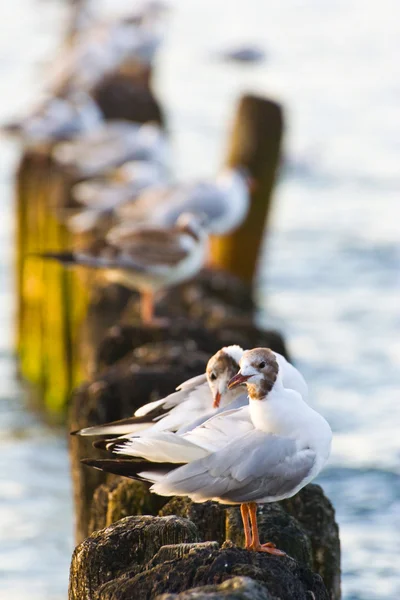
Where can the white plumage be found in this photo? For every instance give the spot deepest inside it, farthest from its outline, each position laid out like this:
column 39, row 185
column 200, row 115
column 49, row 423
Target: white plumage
column 224, row 202
column 110, row 145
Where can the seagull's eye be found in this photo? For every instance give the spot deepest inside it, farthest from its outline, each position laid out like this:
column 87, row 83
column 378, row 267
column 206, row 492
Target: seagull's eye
column 261, row 365
column 213, row 377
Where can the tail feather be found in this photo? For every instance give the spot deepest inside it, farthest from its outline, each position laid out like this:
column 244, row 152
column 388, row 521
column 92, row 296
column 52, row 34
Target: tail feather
column 69, row 257
column 160, row 447
column 130, row 468
column 66, row 258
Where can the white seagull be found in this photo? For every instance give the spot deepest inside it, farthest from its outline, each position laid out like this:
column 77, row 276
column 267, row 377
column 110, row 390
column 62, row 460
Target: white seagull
column 146, row 258
column 57, row 119
column 197, row 398
column 110, row 145
column 100, row 196
column 103, row 49
column 263, row 452
column 92, row 13
column 224, row 202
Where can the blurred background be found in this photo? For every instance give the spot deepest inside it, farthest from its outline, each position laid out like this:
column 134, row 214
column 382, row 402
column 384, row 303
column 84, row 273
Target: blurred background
column 330, row 273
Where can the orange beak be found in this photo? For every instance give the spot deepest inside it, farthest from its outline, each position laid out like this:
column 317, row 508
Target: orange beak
column 237, row 380
column 217, row 400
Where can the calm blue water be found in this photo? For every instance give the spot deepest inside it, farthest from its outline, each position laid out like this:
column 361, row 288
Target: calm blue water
column 330, row 277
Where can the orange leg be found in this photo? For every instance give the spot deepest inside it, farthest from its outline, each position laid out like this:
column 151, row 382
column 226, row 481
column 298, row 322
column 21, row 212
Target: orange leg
column 255, row 544
column 244, row 511
column 147, row 307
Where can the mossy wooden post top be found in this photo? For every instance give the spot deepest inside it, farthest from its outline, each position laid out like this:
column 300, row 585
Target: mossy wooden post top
column 255, row 143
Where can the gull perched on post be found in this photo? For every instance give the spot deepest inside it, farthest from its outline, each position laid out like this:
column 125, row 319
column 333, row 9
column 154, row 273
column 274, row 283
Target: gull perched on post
column 110, row 145
column 147, row 259
column 224, row 202
column 57, row 119
column 101, row 195
column 262, row 452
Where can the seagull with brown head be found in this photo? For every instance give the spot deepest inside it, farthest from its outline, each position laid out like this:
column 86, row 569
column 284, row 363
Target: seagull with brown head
column 193, row 402
column 146, row 258
column 260, row 375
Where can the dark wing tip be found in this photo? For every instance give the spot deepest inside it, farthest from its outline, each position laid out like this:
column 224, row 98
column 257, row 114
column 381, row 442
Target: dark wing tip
column 124, row 467
column 128, row 467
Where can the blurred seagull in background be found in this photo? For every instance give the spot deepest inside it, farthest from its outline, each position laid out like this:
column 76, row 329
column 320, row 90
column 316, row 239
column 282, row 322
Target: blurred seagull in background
column 110, row 145
column 99, row 48
column 262, row 452
column 100, row 196
column 146, row 258
column 89, row 13
column 224, row 203
column 102, row 47
column 57, row 119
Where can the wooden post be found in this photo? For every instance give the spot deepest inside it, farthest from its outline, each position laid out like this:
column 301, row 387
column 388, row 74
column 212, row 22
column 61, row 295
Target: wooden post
column 255, row 143
column 51, row 301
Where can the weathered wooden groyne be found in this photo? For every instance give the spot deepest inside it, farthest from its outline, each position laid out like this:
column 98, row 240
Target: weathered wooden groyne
column 85, row 353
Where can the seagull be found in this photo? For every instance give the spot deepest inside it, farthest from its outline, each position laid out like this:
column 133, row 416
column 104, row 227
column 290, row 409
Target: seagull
column 104, row 48
column 93, row 12
column 265, row 451
column 224, row 202
column 100, row 196
column 197, row 398
column 146, row 258
column 57, row 119
column 110, row 145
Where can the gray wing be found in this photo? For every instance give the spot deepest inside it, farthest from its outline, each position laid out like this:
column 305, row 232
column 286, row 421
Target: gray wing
column 238, row 403
column 258, row 466
column 147, row 248
column 192, row 383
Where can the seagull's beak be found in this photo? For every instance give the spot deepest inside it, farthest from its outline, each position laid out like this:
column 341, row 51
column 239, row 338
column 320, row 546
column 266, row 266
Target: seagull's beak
column 217, row 400
column 238, row 380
